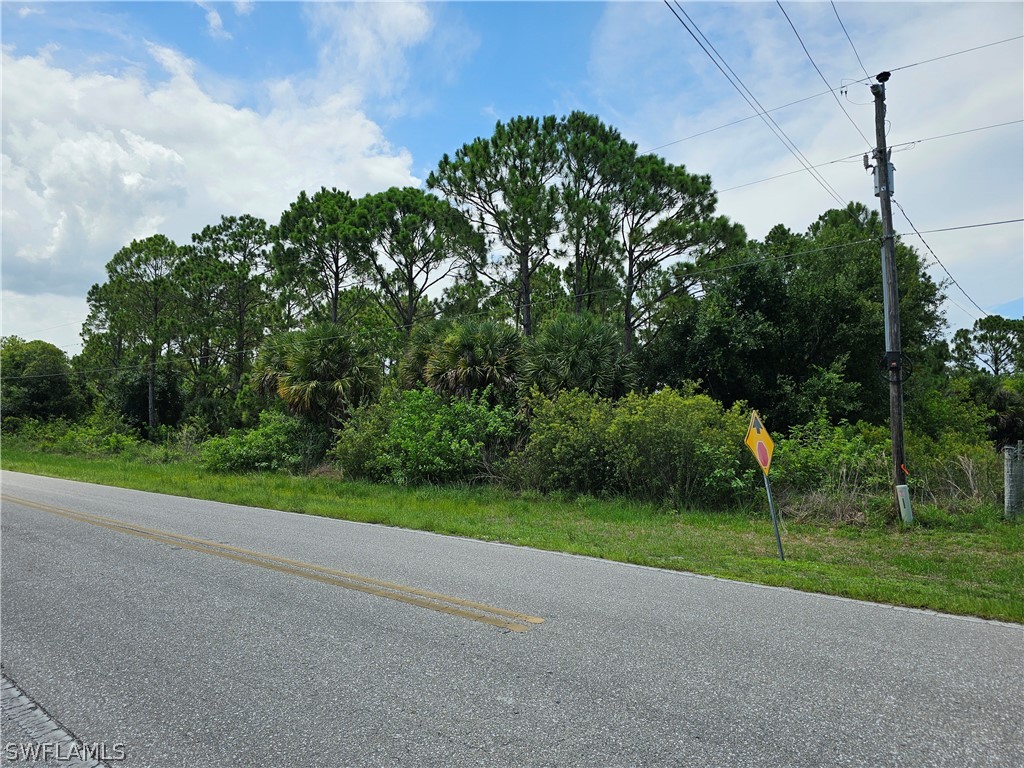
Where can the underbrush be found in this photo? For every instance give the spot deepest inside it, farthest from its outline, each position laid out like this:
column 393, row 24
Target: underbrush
column 677, row 450
column 105, row 434
column 279, row 442
column 672, row 447
column 843, row 473
column 416, row 436
column 100, row 434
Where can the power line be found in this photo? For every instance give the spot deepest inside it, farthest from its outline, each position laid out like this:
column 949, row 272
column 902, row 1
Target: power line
column 935, row 256
column 697, row 273
column 787, row 173
column 958, row 133
column 818, row 70
column 970, row 313
column 946, row 56
column 748, row 184
column 857, row 155
column 752, row 100
column 54, row 327
column 824, row 93
column 734, row 122
column 956, row 53
column 967, row 226
column 768, row 120
column 863, row 68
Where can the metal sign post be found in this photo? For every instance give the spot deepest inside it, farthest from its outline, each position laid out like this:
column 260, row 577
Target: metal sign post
column 775, row 519
column 762, row 446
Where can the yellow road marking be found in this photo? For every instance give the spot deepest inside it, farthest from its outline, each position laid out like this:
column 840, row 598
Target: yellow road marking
column 468, row 609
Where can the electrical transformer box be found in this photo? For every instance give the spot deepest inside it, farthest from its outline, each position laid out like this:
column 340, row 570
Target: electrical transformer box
column 892, row 179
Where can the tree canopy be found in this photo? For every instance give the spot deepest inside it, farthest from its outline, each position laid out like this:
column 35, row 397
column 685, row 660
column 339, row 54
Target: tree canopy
column 548, row 254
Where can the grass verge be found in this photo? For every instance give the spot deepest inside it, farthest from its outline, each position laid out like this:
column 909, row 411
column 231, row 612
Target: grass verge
column 941, row 564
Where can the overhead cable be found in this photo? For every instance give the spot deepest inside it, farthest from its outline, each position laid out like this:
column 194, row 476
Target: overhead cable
column 863, row 68
column 825, row 93
column 857, row 155
column 737, row 83
column 818, row 70
column 937, row 261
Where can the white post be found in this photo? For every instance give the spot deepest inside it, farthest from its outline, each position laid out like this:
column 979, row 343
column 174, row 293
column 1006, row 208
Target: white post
column 1013, row 480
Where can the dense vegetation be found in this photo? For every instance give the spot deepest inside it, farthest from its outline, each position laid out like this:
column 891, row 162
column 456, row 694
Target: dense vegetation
column 557, row 313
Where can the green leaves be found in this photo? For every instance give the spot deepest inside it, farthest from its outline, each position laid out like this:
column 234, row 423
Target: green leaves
column 669, row 446
column 141, row 302
column 321, row 373
column 794, row 325
column 280, row 442
column 225, row 282
column 36, row 382
column 317, row 247
column 505, row 185
column 577, row 352
column 417, row 436
column 995, row 344
column 472, row 355
column 412, row 242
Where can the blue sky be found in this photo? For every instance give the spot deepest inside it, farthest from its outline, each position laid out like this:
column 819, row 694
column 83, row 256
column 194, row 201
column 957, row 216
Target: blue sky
column 124, row 119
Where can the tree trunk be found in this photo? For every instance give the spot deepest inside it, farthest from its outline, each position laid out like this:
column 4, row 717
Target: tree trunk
column 152, row 389
column 239, row 364
column 154, row 348
column 578, row 279
column 410, row 304
column 524, row 291
column 627, row 337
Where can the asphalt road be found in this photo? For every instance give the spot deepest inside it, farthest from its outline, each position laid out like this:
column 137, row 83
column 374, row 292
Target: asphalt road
column 268, row 638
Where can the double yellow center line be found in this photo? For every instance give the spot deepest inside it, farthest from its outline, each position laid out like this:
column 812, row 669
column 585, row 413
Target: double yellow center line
column 467, row 609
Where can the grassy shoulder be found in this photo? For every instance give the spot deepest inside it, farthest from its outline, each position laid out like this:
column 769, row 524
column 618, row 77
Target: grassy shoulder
column 972, row 565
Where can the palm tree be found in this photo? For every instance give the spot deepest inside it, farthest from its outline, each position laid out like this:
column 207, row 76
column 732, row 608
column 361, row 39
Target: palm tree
column 578, row 352
column 321, row 372
column 473, row 355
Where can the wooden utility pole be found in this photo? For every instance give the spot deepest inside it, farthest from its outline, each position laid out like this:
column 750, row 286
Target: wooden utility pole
column 891, row 301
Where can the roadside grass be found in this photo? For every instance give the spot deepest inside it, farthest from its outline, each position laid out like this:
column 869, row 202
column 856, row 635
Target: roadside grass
column 969, row 564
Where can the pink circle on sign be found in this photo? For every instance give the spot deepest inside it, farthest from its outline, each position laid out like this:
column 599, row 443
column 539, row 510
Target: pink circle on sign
column 762, row 454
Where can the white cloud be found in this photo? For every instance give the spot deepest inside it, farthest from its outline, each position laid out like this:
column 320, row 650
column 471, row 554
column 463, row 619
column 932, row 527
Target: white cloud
column 214, row 23
column 244, row 7
column 92, row 161
column 364, row 45
column 25, row 12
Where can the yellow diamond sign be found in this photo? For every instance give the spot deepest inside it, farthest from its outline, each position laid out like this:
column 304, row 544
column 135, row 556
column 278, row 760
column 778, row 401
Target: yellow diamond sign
column 760, row 442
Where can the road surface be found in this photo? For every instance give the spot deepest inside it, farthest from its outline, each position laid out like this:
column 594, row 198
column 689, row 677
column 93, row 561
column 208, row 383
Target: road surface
column 174, row 632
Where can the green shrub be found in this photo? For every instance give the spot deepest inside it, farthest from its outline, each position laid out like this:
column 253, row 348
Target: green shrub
column 671, row 446
column 578, row 352
column 832, row 459
column 101, row 433
column 280, row 442
column 364, row 438
column 567, row 449
column 679, row 447
column 416, row 436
